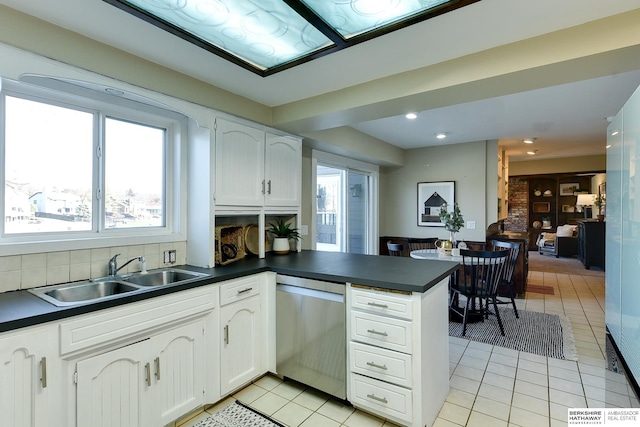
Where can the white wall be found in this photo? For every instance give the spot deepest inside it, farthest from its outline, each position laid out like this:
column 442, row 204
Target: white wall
column 466, row 164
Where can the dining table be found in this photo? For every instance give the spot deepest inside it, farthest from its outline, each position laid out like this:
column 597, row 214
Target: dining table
column 438, row 254
column 435, row 254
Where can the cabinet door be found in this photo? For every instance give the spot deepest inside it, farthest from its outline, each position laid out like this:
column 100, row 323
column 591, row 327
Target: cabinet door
column 29, row 378
column 178, row 371
column 240, row 349
column 239, row 175
column 113, row 388
column 283, row 171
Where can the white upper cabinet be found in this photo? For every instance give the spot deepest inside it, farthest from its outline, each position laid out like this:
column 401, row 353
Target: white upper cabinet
column 283, row 170
column 239, row 174
column 256, row 168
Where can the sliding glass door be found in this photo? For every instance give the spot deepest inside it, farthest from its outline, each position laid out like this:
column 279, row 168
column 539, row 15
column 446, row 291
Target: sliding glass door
column 342, row 210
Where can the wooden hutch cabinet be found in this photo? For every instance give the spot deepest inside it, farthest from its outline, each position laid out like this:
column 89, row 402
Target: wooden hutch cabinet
column 553, row 198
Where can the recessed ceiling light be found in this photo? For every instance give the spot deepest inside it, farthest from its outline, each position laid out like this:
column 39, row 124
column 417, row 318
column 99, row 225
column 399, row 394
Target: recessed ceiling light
column 411, row 116
column 529, row 140
column 608, row 146
column 531, row 153
column 441, row 135
column 615, row 132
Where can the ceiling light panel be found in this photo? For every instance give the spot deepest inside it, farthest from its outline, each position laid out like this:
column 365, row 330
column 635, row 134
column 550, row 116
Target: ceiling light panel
column 268, row 36
column 264, row 33
column 354, row 17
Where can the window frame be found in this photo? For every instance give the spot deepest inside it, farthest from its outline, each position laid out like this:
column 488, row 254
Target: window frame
column 104, row 106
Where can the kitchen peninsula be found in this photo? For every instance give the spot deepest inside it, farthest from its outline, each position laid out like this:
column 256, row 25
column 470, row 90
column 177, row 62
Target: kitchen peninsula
column 409, row 296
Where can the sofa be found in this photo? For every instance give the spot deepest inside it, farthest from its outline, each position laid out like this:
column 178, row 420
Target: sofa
column 564, row 242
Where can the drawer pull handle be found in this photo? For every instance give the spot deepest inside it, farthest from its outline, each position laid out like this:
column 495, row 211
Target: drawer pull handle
column 43, row 369
column 147, row 372
column 157, row 363
column 375, row 304
column 375, row 365
column 226, row 334
column 373, row 331
column 245, row 290
column 379, row 399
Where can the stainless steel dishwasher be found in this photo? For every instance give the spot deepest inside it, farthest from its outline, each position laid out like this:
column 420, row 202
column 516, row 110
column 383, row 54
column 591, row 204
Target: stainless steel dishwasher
column 311, row 333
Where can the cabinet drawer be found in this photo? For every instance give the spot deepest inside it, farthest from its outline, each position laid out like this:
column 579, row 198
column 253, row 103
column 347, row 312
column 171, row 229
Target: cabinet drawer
column 381, row 398
column 386, row 332
column 107, row 326
column 385, row 365
column 388, row 303
column 236, row 290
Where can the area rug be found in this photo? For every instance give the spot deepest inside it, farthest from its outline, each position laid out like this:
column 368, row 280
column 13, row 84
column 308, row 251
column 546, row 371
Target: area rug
column 539, row 333
column 562, row 265
column 539, row 289
column 237, row 415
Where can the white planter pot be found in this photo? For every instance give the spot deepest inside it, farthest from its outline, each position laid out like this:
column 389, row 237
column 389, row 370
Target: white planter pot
column 280, row 245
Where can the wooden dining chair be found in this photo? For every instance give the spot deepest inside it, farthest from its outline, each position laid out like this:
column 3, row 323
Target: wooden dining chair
column 483, row 271
column 422, row 243
column 395, row 249
column 506, row 285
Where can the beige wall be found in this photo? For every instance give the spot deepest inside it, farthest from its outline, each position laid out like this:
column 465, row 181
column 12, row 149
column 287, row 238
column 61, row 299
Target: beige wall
column 465, row 164
column 568, row 164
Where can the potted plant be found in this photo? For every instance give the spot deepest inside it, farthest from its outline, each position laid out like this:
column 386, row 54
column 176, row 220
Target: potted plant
column 546, row 221
column 282, row 232
column 599, row 202
column 453, row 221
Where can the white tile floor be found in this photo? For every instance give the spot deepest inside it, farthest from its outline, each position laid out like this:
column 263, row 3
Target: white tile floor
column 489, row 386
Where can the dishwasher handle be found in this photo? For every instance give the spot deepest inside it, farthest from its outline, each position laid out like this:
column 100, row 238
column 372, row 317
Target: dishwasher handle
column 318, row 285
column 296, row 290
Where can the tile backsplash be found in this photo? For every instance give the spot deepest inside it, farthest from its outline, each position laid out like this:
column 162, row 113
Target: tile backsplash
column 50, row 268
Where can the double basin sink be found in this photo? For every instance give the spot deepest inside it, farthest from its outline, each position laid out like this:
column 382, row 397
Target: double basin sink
column 106, row 288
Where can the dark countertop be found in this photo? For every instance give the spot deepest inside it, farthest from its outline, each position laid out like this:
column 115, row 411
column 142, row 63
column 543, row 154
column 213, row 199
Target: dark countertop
column 19, row 309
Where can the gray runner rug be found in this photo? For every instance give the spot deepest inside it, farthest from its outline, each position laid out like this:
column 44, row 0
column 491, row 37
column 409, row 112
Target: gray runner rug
column 237, row 415
column 539, row 333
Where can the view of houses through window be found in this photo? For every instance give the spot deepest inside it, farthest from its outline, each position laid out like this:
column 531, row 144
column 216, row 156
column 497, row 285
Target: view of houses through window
column 54, row 158
column 134, row 171
column 48, row 173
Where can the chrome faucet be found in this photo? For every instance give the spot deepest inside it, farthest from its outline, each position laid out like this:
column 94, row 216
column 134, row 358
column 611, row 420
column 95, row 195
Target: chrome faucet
column 113, row 264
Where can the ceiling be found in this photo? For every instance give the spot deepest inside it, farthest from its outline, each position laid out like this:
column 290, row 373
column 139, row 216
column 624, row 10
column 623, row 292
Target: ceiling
column 568, row 119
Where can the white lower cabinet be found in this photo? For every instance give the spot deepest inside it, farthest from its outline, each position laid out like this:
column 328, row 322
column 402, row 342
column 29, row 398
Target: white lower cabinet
column 243, row 332
column 179, row 370
column 112, row 390
column 30, row 377
column 398, row 353
column 149, row 383
column 388, row 400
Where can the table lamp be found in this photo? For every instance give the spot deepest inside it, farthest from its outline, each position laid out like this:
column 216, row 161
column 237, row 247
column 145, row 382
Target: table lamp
column 586, row 201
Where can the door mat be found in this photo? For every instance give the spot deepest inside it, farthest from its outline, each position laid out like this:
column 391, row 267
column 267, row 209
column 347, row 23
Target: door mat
column 538, row 289
column 237, row 415
column 548, row 335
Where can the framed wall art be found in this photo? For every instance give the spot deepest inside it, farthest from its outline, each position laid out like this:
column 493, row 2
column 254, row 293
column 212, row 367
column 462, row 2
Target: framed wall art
column 569, row 188
column 431, row 195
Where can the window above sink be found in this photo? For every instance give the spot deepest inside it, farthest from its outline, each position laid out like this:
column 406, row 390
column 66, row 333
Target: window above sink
column 84, row 165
